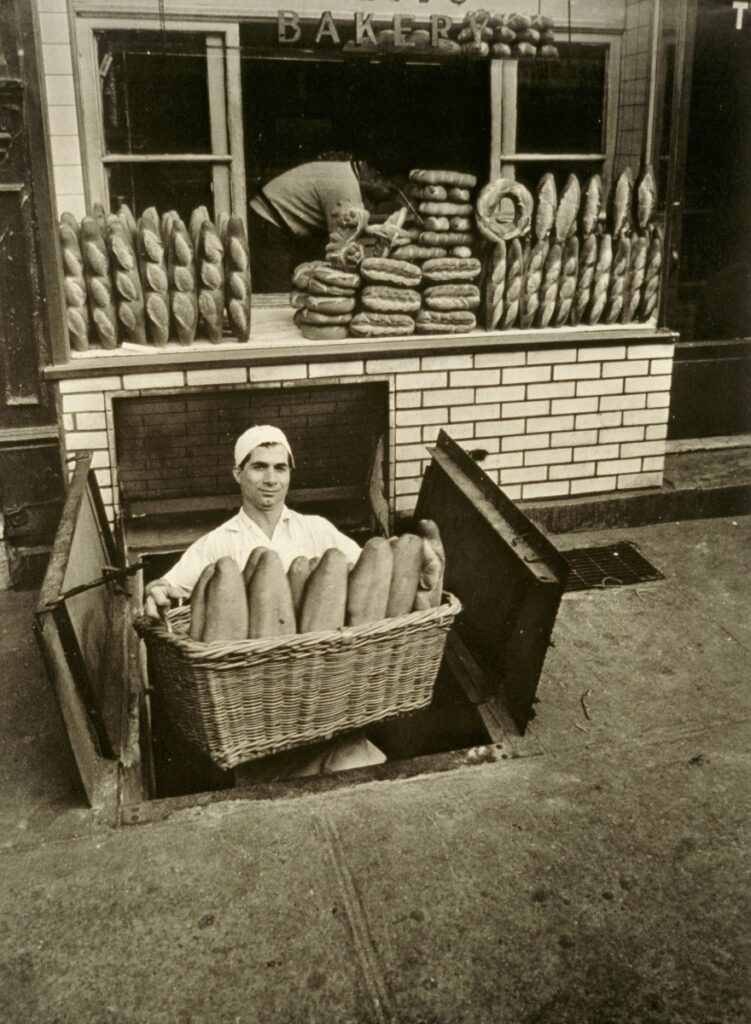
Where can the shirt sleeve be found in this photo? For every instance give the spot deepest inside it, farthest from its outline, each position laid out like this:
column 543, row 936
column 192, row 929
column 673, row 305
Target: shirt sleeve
column 342, row 187
column 183, row 576
column 334, row 538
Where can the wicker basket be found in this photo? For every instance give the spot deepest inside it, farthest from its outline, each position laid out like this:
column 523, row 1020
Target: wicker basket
column 249, row 698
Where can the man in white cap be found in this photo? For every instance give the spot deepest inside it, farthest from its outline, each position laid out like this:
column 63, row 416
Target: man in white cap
column 263, row 461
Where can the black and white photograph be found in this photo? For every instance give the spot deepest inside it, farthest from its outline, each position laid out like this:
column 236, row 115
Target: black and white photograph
column 375, row 512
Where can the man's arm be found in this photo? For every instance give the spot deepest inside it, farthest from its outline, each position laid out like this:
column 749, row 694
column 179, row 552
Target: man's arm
column 181, row 578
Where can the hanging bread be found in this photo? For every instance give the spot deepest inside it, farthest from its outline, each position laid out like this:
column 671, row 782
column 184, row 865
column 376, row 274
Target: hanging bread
column 546, row 203
column 549, row 285
column 618, row 280
column 587, row 259
column 182, row 282
column 636, row 273
column 152, row 263
column 98, row 285
column 210, row 275
column 74, row 286
column 567, row 285
column 492, row 221
column 568, row 209
column 515, row 258
column 237, row 271
column 651, row 287
column 128, row 292
column 601, row 279
column 530, row 293
column 495, row 285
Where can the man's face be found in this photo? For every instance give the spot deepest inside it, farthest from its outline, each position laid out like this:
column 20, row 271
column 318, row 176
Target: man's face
column 264, row 478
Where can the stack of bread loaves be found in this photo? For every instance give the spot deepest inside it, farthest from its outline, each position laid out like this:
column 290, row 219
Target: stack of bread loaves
column 389, row 300
column 324, row 300
column 450, row 297
column 444, row 202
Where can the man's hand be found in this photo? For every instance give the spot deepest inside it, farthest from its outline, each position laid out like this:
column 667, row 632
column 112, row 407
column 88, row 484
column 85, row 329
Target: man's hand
column 159, row 595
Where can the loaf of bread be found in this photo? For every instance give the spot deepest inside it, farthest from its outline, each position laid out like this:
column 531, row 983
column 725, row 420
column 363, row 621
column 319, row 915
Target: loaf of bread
column 369, row 583
column 452, row 296
column 618, row 280
column 270, row 608
column 601, row 279
column 491, row 214
column 462, row 252
column 591, row 205
column 431, row 209
column 431, row 193
column 621, row 199
column 567, row 284
column 514, row 280
column 303, row 272
column 583, row 292
column 374, row 325
column 419, row 252
column 445, row 238
column 381, row 270
column 385, row 299
column 461, row 224
column 646, row 198
column 74, row 285
column 152, row 263
column 226, row 616
column 98, row 282
column 128, row 293
column 332, row 304
column 455, row 179
column 436, row 224
column 568, row 209
column 432, row 568
column 297, row 577
column 546, row 203
column 325, row 600
column 237, row 277
column 198, row 603
column 458, row 195
column 451, row 268
column 454, row 322
column 333, row 277
column 636, row 273
column 322, row 332
column 549, row 286
column 651, row 287
column 312, row 316
column 530, row 294
column 211, row 282
column 182, row 281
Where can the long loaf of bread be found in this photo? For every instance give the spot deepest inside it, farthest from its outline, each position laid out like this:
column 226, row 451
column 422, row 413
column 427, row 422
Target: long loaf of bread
column 210, row 273
column 515, row 256
column 369, row 583
column 568, row 209
column 270, row 608
column 636, row 273
column 182, row 281
column 582, row 295
column 601, row 280
column 325, row 602
column 618, row 280
column 127, row 281
column 651, row 287
column 98, row 284
column 153, row 266
column 237, row 270
column 405, row 577
column 495, row 284
column 198, row 603
column 226, row 606
column 568, row 279
column 549, row 286
column 74, row 285
column 530, row 294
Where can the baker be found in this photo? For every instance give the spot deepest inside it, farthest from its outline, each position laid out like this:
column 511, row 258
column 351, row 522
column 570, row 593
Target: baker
column 292, row 215
column 262, row 468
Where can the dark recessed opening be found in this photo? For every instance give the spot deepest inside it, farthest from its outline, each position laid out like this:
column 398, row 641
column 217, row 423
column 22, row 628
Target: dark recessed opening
column 614, row 565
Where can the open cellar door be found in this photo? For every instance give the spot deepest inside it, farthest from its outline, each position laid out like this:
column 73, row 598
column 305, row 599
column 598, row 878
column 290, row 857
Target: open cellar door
column 82, row 625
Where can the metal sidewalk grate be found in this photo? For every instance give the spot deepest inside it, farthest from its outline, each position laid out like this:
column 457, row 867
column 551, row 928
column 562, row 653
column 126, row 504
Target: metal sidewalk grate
column 614, row 565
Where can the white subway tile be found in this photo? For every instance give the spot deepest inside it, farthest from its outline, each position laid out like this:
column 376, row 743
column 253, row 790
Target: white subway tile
column 503, row 428
column 618, row 466
column 65, row 150
column 84, row 401
column 410, row 486
column 475, row 378
column 78, row 440
column 415, row 417
column 57, row 59
column 555, row 489
column 577, row 470
column 629, row 481
column 220, row 375
column 68, row 180
column 145, row 381
column 512, row 491
column 633, row 416
column 54, row 27
column 557, row 389
column 71, row 385
column 621, row 434
column 608, row 402
column 573, row 438
column 658, row 400
column 480, row 440
column 658, row 432
column 596, row 485
column 661, row 351
column 503, row 460
column 626, row 368
column 461, row 431
column 525, row 442
column 648, row 384
column 535, row 356
column 448, row 396
column 62, row 120
column 404, row 503
column 642, row 448
column 392, row 365
column 411, row 452
column 598, row 419
column 575, row 405
column 513, row 409
column 660, row 366
column 463, row 413
column 410, row 400
column 51, row 5
column 595, row 452
column 605, row 353
column 104, row 477
column 61, row 88
column 600, row 387
column 483, row 359
column 547, row 456
column 654, row 463
column 541, row 424
column 500, row 394
column 91, row 421
column 411, row 469
column 410, row 381
column 343, row 369
column 289, row 371
column 100, row 459
column 407, row 435
column 447, row 362
column 526, row 474
column 68, row 421
column 577, row 371
column 526, row 374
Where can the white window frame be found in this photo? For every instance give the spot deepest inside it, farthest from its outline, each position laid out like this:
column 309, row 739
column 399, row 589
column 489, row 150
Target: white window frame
column 227, row 156
column 504, row 79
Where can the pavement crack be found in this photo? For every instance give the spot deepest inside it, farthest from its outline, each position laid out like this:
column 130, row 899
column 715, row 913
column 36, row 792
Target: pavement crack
column 363, row 943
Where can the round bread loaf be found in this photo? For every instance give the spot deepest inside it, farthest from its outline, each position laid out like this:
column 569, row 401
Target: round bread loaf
column 388, row 271
column 310, row 316
column 445, row 238
column 420, row 252
column 433, row 322
column 446, row 209
column 383, row 299
column 374, row 325
column 452, row 296
column 458, row 195
column 501, row 49
column 436, row 224
column 330, row 303
column 318, row 332
column 301, row 274
column 451, row 268
column 457, row 224
column 451, row 178
column 335, row 278
column 317, row 287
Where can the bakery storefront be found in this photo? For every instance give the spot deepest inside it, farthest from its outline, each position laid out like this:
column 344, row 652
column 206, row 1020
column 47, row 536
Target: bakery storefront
column 491, row 320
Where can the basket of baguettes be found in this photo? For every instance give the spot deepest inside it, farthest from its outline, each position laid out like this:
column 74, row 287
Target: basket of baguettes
column 263, row 661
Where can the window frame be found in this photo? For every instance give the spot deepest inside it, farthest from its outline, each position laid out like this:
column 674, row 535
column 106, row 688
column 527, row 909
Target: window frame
column 227, row 156
column 504, row 81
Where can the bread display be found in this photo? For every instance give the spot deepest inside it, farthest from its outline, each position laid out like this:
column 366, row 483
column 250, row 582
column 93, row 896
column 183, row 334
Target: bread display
column 96, row 264
column 211, row 280
column 127, row 291
column 74, row 284
column 152, row 264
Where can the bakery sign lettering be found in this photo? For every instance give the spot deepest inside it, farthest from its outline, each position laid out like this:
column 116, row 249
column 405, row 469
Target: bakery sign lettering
column 290, row 31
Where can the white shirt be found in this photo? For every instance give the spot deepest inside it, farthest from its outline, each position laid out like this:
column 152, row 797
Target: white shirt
column 293, row 535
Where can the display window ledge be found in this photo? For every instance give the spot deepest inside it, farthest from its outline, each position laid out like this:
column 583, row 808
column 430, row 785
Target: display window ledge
column 274, row 339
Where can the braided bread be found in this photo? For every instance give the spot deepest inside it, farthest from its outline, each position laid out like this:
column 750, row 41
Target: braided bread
column 211, row 283
column 567, row 286
column 651, row 287
column 587, row 258
column 618, row 280
column 549, row 286
column 515, row 260
column 128, row 293
column 153, row 266
column 530, row 294
column 495, row 285
column 601, row 279
column 74, row 285
column 636, row 274
column 98, row 286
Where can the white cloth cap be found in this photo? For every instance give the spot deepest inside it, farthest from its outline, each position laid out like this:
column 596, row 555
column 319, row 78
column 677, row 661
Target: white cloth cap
column 246, row 442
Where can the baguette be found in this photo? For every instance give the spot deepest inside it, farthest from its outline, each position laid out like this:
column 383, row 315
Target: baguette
column 549, row 285
column 128, row 221
column 370, row 583
column 405, row 576
column 591, row 205
column 152, row 264
column 567, row 285
column 568, row 209
column 98, row 287
column 545, row 207
column 182, row 282
column 587, row 259
column 74, row 285
column 515, row 260
column 325, row 600
column 252, row 563
column 651, row 288
column 226, row 607
column 601, row 279
column 211, row 283
column 270, row 608
column 198, row 603
column 237, row 276
column 620, row 204
column 529, row 301
column 618, row 280
column 128, row 291
column 432, row 566
column 636, row 275
column 297, row 577
column 646, row 198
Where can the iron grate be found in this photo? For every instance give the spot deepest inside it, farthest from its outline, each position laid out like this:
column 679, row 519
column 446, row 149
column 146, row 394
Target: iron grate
column 614, row 565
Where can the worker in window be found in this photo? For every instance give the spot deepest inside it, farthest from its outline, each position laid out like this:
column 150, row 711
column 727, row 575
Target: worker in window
column 263, row 463
column 292, row 216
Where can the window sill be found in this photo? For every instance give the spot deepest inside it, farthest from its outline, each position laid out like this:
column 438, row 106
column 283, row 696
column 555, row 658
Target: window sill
column 274, row 340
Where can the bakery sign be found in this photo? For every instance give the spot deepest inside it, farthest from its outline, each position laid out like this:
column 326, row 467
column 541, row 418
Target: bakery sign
column 479, row 33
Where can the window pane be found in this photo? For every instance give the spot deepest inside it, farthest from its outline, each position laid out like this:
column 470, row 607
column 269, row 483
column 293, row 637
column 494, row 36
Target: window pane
column 179, row 187
column 560, row 103
column 154, row 92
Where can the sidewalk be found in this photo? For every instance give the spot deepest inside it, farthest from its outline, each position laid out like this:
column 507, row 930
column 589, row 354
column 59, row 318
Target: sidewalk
column 604, row 881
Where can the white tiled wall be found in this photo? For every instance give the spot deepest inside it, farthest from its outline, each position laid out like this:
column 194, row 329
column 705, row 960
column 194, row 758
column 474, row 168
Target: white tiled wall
column 552, row 422
column 57, row 55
